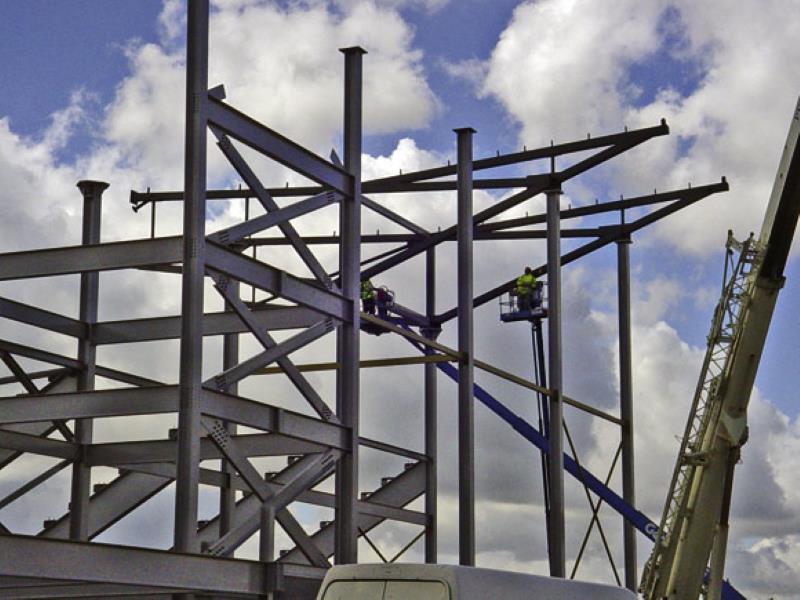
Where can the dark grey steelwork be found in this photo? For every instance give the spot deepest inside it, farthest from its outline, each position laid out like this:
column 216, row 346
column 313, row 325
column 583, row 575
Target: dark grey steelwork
column 275, row 218
column 626, row 406
column 349, row 344
column 80, row 259
column 23, row 313
column 466, row 350
column 312, row 306
column 103, row 563
column 217, row 323
column 555, row 458
column 272, row 144
column 271, row 279
column 431, row 418
column 271, row 206
column 90, row 284
column 399, row 491
column 271, row 354
column 194, row 215
column 230, row 356
column 609, row 235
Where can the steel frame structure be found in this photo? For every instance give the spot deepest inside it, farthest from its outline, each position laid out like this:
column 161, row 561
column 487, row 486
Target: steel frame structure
column 62, row 560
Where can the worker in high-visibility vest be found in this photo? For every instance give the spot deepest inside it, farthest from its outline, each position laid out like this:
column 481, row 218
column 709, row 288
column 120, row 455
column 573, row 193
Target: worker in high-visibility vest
column 526, row 283
column 368, row 296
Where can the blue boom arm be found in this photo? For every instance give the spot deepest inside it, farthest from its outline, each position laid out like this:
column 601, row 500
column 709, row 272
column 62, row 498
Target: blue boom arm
column 535, row 437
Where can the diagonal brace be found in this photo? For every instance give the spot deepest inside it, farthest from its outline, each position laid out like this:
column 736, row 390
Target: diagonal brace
column 233, row 234
column 224, row 380
column 220, row 436
column 266, row 340
column 269, row 204
column 31, row 388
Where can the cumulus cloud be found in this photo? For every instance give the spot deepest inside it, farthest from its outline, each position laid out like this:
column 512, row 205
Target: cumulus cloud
column 579, row 76
column 560, row 69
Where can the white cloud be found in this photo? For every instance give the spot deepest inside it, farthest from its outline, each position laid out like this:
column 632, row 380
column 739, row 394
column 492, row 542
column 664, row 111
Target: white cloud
column 279, row 62
column 559, row 68
column 562, row 68
column 429, row 6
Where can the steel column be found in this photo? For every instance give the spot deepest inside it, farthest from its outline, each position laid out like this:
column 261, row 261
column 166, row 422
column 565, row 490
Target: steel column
column 555, row 457
column 466, row 343
column 431, row 418
column 90, row 281
column 230, row 357
column 626, row 406
column 189, row 428
column 266, row 542
column 346, row 544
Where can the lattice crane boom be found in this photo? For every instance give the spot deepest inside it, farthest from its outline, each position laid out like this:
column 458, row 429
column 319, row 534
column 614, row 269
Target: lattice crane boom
column 697, row 504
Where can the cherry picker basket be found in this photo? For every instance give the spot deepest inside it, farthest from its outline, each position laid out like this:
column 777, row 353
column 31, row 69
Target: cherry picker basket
column 514, row 307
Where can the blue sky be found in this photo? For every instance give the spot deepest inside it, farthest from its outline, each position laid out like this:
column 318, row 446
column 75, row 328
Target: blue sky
column 491, row 68
column 54, row 48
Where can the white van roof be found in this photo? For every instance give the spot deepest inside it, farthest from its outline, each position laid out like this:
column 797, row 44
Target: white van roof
column 468, row 583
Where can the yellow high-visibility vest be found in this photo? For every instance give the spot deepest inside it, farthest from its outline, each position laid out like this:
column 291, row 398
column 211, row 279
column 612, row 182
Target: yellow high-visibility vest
column 367, row 291
column 525, row 283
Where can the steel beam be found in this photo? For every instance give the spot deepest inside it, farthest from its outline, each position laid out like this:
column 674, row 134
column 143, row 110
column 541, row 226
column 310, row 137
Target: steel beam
column 230, row 293
column 348, row 383
column 394, row 182
column 266, row 495
column 400, row 491
column 120, row 454
column 447, row 185
column 23, row 442
column 608, row 236
column 30, row 387
column 466, row 350
column 44, row 319
column 117, row 499
column 270, row 143
column 525, row 155
column 42, row 429
column 103, row 563
column 269, row 204
column 606, row 207
column 35, row 482
column 275, row 352
column 414, row 238
column 73, row 364
column 34, row 375
column 266, row 277
column 68, row 589
column 555, row 458
column 274, row 318
column 82, row 259
column 272, row 418
column 246, row 515
column 80, row 405
column 364, row 364
column 393, row 216
column 277, row 216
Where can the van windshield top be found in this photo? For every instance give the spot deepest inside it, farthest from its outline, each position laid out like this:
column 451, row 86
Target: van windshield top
column 386, row 590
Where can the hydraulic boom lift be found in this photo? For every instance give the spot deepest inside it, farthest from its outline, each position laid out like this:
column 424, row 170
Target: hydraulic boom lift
column 695, row 518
